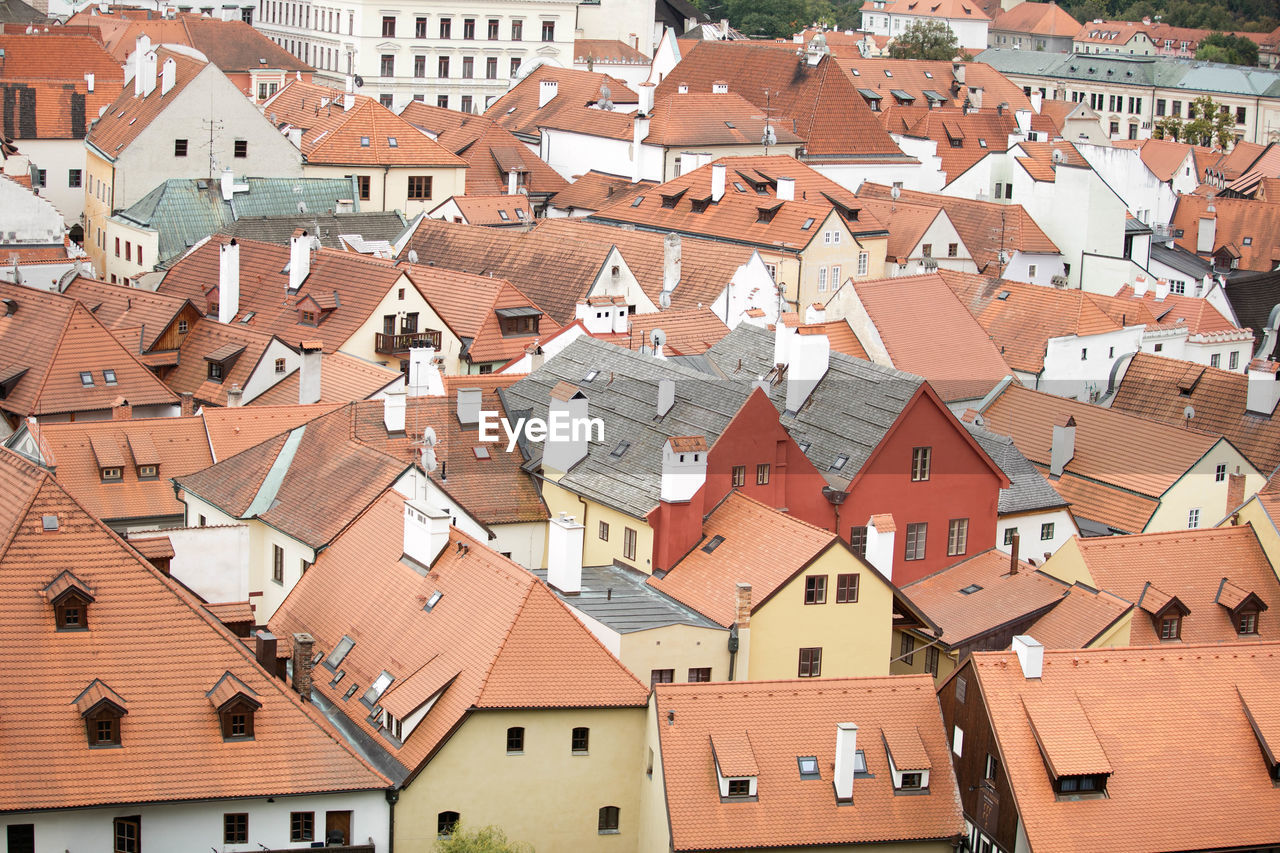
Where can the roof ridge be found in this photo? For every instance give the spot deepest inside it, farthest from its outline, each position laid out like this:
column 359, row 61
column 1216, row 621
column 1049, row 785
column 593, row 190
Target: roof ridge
column 798, row 521
column 506, row 634
column 40, row 474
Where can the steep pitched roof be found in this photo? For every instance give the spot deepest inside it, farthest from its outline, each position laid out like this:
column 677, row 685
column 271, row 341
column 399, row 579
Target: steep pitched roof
column 704, row 118
column 293, row 751
column 962, row 10
column 343, row 378
column 234, row 430
column 50, row 341
column 1028, row 489
column 1082, row 616
column 1162, row 388
column 594, row 190
column 689, row 331
column 1040, row 19
column 129, row 114
column 236, row 347
column 782, row 720
column 922, row 78
column 1247, row 228
column 52, row 65
column 519, row 112
column 963, row 137
column 499, row 209
column 497, row 638
column 124, row 309
column 470, row 306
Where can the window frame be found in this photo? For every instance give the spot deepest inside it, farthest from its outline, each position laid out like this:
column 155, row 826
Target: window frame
column 608, row 820
column 302, row 826
column 810, row 662
column 661, row 676
column 603, row 531
column 957, row 537
column 515, row 740
column 921, row 464
column 446, row 822
column 848, row 585
column 696, row 674
column 916, row 541
column 277, row 564
column 580, row 740
column 235, row 828
column 738, row 475
column 762, row 474
column 420, row 187
column 815, row 589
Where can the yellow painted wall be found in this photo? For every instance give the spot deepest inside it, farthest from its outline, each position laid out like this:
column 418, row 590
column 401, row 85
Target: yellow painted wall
column 445, row 182
column 98, row 190
column 1067, row 564
column 548, row 796
column 1265, row 529
column 1197, row 488
column 654, row 828
column 677, row 647
column 820, row 254
column 1117, row 635
column 854, row 637
column 597, row 552
column 122, row 269
column 947, row 661
column 362, row 341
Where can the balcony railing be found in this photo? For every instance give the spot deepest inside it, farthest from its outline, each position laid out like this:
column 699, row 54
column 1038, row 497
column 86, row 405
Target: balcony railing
column 405, row 341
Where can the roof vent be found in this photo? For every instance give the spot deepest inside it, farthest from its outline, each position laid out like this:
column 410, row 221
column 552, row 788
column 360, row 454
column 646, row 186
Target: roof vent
column 10, row 307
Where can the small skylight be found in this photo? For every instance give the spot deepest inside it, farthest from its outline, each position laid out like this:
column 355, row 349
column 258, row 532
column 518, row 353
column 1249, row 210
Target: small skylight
column 391, row 141
column 502, row 214
column 1002, row 295
column 351, row 691
column 342, row 673
column 859, row 762
column 729, row 125
column 739, row 187
column 510, row 111
column 888, row 73
column 316, row 658
column 591, row 376
column 248, row 315
column 86, row 378
column 804, row 447
column 433, row 600
column 1248, row 241
column 839, row 463
column 109, row 377
column 929, row 74
column 808, row 766
column 970, row 589
column 380, row 685
column 364, row 142
column 638, row 201
column 49, row 522
column 621, row 449
column 982, row 143
column 339, row 652
column 856, row 72
column 713, row 544
column 808, row 223
column 481, row 451
column 519, row 213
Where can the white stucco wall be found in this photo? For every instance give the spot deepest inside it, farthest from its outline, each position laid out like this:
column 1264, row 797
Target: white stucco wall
column 1147, row 197
column 212, row 561
column 1029, row 527
column 573, row 154
column 1069, row 374
column 1020, row 266
column 58, row 157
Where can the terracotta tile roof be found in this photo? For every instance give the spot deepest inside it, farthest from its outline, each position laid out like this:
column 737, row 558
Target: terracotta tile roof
column 76, row 452
column 999, row 597
column 959, row 9
column 821, row 101
column 1041, row 19
column 1163, row 156
column 839, row 333
column 489, row 149
column 985, row 226
column 689, row 331
column 499, row 210
column 1237, row 219
column 963, row 138
column 1038, row 159
column 1152, row 387
column 901, row 308
column 1080, row 618
column 907, row 223
column 608, row 52
column 498, row 638
column 233, row 431
column 788, row 719
column 52, row 65
column 733, row 754
column 595, row 190
column 1196, row 315
column 122, row 309
column 703, row 118
column 1105, row 440
column 293, row 750
column 469, row 305
column 705, row 581
column 367, row 135
column 343, row 378
column 1187, row 688
column 160, row 547
column 1119, row 510
column 130, row 114
column 1190, row 565
column 56, row 339
column 518, row 109
column 916, row 76
column 236, row 347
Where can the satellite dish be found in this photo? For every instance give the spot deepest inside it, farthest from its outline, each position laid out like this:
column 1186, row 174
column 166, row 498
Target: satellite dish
column 896, row 192
column 429, row 437
column 1189, row 413
column 657, row 338
column 413, row 259
column 1058, row 156
column 359, row 81
column 770, row 136
column 664, row 299
column 302, row 207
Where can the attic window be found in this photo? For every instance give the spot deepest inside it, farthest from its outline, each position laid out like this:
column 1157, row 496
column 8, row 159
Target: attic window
column 351, row 691
column 1248, row 241
column 86, row 378
column 855, row 72
column 888, row 73
column 739, row 788
column 639, row 200
column 519, row 213
column 928, row 74
column 713, row 544
column 433, row 601
column 839, row 463
column 49, row 523
column 70, row 598
column 808, row 223
column 970, row 589
column 109, row 377
column 101, row 708
column 1002, row 295
column 982, row 143
column 235, row 703
column 621, row 449
column 808, row 765
column 739, row 187
column 481, row 452
column 364, row 142
column 392, row 142
column 339, row 652
column 380, row 685
column 591, row 376
column 502, row 214
column 804, row 447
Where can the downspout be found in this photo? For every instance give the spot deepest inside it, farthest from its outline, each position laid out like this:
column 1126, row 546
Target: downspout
column 733, row 649
column 393, row 796
column 385, row 171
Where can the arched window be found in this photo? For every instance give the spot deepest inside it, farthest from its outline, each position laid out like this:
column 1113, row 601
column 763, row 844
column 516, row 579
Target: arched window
column 608, row 820
column 445, row 822
column 581, row 739
column 515, row 739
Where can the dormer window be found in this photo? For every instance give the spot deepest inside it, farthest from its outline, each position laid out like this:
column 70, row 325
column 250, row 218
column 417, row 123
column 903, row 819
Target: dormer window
column 909, row 763
column 101, row 708
column 735, row 765
column 1242, row 607
column 148, row 472
column 110, row 474
column 1165, row 610
column 1171, row 627
column 307, row 318
column 1247, row 622
column 235, row 703
column 216, row 372
column 1079, row 785
column 70, row 598
column 739, row 788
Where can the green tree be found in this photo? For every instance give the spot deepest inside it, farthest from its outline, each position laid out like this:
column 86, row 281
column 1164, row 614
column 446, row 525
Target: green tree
column 921, row 40
column 1207, row 123
column 1169, row 127
column 487, row 839
column 1222, row 47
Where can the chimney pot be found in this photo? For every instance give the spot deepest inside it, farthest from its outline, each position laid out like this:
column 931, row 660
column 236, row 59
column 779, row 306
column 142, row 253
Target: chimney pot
column 666, row 395
column 299, row 259
column 565, row 537
column 684, row 467
column 1013, row 553
column 187, row 403
column 424, row 375
column 742, row 593
column 469, row 406
column 786, row 189
column 547, row 90
column 235, row 396
column 302, row 649
column 1030, row 654
column 881, row 531
column 810, row 357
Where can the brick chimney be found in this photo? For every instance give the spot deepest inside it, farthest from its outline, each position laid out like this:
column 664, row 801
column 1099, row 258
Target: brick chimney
column 302, row 648
column 1235, row 491
column 1013, row 553
column 742, row 625
column 122, row 410
column 187, row 404
column 264, row 649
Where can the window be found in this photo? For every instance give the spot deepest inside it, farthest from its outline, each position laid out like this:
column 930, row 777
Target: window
column 127, row 832
column 517, row 30
column 810, row 663
column 847, row 588
column 302, row 826
column 1233, row 360
column 148, row 472
column 86, row 378
column 548, row 30
column 420, row 187
column 241, row 148
column 931, row 660
column 822, row 279
column 835, row 276
column 957, row 740
column 815, row 589
column 858, row 540
column 579, row 739
column 493, row 29
column 953, row 250
column 387, row 67
column 446, row 821
column 128, row 251
column 277, row 564
column 1046, row 531
column 235, row 828
column 279, row 365
column 1031, row 270
column 1240, row 115
column 108, row 375
column 957, row 537
column 388, row 26
column 215, row 371
column 468, row 68
column 661, row 676
column 515, row 66
column 907, row 650
column 465, row 105
column 362, row 184
column 739, row 475
column 628, row 543
column 442, row 69
column 515, row 739
column 608, row 823
column 491, row 68
column 420, row 28
column 419, row 66
column 117, row 247
column 911, row 781
column 1171, row 628
column 182, row 327
column 989, row 770
column 1084, row 354
column 604, row 531
column 699, row 674
column 469, row 29
column 920, row 458
column 21, row 837
column 1193, row 518
column 1220, row 473
column 179, row 148
column 1215, row 360
column 961, row 686
column 445, row 27
column 864, row 259
column 1247, row 622
column 73, row 177
column 762, row 474
column 916, row 534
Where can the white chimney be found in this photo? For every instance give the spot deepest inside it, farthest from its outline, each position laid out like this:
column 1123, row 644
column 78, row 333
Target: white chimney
column 140, row 50
column 468, row 406
column 299, row 258
column 881, row 530
column 1063, row 449
column 682, row 89
column 717, row 181
column 684, row 467
column 1140, row 286
column 620, row 319
column 564, row 554
column 783, row 336
column 846, row 761
column 639, row 130
column 424, row 375
column 88, row 81
column 566, row 446
column 1023, row 118
column 719, row 87
column 295, row 139
column 598, row 319
column 426, row 532
column 235, row 396
column 393, row 408
column 1264, row 390
column 349, row 97
column 1037, row 101
column 228, row 281
column 309, row 373
column 1207, row 234
column 810, row 356
column 168, row 75
column 1162, row 289
column 547, row 90
column 148, row 73
column 645, row 91
column 1030, row 652
column 672, row 262
column 786, row 189
column 815, row 313
column 666, row 395
column 513, row 182
column 227, row 183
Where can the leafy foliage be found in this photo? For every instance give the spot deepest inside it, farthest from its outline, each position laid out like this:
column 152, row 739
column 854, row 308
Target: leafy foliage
column 925, row 40
column 782, row 18
column 487, row 839
column 1221, row 47
column 1247, row 15
column 1207, row 123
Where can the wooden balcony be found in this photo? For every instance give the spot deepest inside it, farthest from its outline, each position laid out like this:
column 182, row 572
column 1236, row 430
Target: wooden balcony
column 402, row 343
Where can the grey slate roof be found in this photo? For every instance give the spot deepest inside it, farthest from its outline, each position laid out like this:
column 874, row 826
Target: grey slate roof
column 185, row 211
column 1180, row 259
column 621, row 599
column 1030, row 490
column 371, row 225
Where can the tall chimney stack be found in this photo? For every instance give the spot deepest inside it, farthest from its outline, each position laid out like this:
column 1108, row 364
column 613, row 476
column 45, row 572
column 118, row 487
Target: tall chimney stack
column 302, row 647
column 846, row 758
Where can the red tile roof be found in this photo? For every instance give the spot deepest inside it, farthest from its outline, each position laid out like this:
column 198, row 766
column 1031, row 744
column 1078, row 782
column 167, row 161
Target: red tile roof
column 1082, row 616
column 784, row 720
column 233, row 431
column 689, row 331
column 518, row 109
column 703, row 118
column 469, row 305
column 1040, row 19
column 838, row 332
column 963, row 138
column 500, row 209
column 343, row 378
column 237, row 347
column 916, row 76
column 959, row 9
column 607, row 52
column 1236, row 220
column 595, row 190
column 50, row 765
column 52, row 64
column 129, row 114
column 1198, row 316
column 142, row 313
